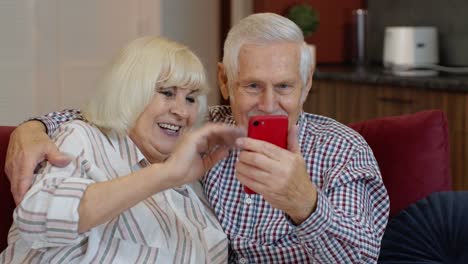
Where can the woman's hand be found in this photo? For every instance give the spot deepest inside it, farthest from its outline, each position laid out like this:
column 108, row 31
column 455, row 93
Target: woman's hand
column 200, row 150
column 195, row 153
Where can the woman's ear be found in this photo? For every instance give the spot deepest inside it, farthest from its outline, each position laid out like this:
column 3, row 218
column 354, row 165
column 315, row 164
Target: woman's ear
column 223, row 82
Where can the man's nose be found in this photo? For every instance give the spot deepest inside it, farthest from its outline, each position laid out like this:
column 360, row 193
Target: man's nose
column 268, row 101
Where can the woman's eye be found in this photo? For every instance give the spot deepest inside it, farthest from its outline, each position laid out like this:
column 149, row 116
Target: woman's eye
column 167, row 93
column 190, row 99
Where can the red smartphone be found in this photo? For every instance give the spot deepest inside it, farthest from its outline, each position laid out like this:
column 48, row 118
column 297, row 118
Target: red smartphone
column 271, row 128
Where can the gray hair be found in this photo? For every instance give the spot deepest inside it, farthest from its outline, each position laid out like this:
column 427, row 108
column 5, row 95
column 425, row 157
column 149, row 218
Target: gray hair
column 131, row 82
column 263, row 28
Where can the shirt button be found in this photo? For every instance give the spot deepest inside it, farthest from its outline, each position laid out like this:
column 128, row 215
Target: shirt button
column 248, row 200
column 242, row 261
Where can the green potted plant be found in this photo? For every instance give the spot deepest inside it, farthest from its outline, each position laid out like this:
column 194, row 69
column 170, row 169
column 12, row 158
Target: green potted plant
column 307, row 19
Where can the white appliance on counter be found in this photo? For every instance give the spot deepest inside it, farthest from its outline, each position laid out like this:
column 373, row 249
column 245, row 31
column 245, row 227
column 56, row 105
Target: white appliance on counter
column 408, row 51
column 414, row 51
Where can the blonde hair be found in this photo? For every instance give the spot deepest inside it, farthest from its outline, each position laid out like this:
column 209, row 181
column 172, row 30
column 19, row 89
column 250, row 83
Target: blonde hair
column 263, row 28
column 130, row 84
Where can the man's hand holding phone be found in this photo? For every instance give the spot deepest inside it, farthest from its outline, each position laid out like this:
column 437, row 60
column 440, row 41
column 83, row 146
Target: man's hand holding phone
column 276, row 173
column 272, row 129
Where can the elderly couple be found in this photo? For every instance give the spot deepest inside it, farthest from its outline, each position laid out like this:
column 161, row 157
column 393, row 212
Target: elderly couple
column 129, row 180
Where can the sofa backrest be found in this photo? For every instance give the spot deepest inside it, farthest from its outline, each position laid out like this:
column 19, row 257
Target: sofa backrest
column 413, row 153
column 7, row 204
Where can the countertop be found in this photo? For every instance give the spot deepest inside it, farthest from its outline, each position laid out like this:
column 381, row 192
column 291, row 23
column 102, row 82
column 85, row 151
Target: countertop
column 378, row 75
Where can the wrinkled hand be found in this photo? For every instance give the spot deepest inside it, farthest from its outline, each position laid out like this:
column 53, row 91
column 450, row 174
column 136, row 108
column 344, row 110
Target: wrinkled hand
column 279, row 175
column 29, row 145
column 200, row 150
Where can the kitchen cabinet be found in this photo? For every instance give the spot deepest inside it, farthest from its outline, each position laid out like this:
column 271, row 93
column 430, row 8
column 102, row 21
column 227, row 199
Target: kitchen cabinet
column 349, row 102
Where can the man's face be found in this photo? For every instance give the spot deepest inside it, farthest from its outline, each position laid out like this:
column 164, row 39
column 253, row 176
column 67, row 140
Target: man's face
column 268, row 83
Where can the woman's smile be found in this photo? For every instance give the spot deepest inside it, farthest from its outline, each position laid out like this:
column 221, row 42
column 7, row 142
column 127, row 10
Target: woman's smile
column 170, row 129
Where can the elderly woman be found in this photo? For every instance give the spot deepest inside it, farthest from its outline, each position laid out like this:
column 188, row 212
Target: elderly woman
column 125, row 198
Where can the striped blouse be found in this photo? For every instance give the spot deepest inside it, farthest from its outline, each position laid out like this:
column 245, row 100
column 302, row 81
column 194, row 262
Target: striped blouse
column 173, row 226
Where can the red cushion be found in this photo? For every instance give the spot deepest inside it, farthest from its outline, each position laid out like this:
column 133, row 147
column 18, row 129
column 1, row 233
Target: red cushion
column 7, row 204
column 413, row 155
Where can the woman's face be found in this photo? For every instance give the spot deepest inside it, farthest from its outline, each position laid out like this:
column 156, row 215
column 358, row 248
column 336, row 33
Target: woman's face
column 170, row 113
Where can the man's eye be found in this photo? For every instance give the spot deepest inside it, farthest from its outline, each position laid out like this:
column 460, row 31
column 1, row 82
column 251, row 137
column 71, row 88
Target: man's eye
column 284, row 88
column 252, row 86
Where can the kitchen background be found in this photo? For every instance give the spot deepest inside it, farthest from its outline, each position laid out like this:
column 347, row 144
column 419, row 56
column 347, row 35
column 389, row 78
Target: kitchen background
column 52, row 53
column 350, row 93
column 334, row 35
column 448, row 16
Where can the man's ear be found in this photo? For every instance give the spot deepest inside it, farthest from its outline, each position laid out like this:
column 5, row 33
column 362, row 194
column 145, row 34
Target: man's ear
column 223, row 82
column 308, row 86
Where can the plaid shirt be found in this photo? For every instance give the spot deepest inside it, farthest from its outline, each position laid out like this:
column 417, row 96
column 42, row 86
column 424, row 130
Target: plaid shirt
column 352, row 208
column 53, row 120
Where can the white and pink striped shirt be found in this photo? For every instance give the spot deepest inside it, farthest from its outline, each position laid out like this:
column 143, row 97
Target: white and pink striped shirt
column 173, row 226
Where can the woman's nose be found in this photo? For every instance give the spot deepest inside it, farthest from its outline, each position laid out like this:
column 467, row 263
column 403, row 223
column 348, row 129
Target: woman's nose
column 180, row 108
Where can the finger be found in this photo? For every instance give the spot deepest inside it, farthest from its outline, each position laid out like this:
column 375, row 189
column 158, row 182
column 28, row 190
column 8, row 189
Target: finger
column 10, row 159
column 211, row 159
column 212, row 135
column 254, row 185
column 20, row 190
column 257, row 160
column 17, row 196
column 55, row 157
column 253, row 173
column 8, row 170
column 293, row 144
column 22, row 180
column 226, row 135
column 270, row 150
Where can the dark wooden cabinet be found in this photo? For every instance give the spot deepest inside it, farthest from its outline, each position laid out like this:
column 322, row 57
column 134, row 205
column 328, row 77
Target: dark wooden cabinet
column 352, row 102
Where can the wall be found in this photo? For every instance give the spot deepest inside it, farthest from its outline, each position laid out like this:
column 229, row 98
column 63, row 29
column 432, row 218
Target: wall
column 52, row 52
column 449, row 16
column 196, row 24
column 240, row 9
column 17, row 60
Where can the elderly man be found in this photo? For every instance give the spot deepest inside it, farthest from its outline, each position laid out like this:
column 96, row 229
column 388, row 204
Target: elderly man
column 321, row 200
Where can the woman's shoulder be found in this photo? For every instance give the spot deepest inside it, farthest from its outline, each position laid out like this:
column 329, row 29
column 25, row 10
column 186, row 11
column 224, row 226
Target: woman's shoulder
column 77, row 134
column 77, row 127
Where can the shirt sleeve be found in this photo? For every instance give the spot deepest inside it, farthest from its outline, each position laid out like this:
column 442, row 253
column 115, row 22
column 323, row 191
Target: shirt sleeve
column 52, row 121
column 349, row 221
column 48, row 215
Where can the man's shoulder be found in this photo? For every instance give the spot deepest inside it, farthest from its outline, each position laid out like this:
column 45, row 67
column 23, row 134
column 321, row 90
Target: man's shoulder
column 322, row 126
column 221, row 114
